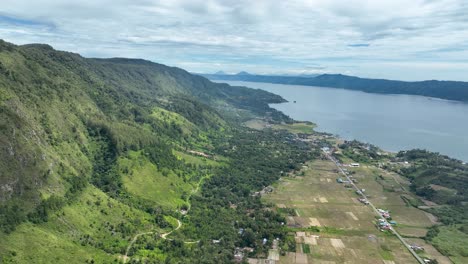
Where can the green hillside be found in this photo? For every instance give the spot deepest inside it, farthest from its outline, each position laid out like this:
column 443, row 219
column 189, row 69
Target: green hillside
column 94, row 152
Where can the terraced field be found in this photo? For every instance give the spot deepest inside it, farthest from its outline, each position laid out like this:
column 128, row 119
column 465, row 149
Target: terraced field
column 336, row 227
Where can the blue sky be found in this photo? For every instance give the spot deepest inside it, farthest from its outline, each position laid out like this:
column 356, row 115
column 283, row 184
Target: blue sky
column 397, row 39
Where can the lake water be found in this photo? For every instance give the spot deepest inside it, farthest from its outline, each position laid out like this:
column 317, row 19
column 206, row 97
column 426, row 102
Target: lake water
column 392, row 122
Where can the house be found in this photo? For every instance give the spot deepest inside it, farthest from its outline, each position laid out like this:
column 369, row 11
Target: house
column 416, row 247
column 268, row 189
column 238, row 254
column 248, row 249
column 383, row 225
column 364, row 201
column 384, row 213
column 354, row 165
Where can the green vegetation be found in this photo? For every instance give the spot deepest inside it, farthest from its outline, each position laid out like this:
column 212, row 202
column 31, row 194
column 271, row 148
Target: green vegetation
column 97, row 153
column 386, row 253
column 144, row 180
column 103, row 159
column 297, row 127
column 360, row 152
column 435, row 177
column 451, row 241
column 199, row 160
column 305, row 249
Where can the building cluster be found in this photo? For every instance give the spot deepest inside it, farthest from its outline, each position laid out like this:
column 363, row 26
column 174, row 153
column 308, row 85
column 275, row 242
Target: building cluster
column 383, row 224
column 385, row 214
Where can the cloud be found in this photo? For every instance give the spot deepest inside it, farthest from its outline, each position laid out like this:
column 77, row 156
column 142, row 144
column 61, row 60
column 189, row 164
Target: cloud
column 14, row 21
column 270, row 36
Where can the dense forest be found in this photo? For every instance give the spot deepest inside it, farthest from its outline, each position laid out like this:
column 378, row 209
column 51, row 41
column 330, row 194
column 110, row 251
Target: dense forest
column 450, row 90
column 94, row 152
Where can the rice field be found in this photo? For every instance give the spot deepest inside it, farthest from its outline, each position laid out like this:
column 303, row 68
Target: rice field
column 343, row 229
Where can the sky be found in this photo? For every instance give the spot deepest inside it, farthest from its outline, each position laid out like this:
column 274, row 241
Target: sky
column 394, row 39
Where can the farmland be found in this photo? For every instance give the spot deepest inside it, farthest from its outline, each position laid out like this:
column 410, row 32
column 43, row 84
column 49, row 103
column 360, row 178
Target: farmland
column 336, row 227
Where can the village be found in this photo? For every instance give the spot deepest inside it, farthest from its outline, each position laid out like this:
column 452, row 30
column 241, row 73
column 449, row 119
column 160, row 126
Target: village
column 349, row 221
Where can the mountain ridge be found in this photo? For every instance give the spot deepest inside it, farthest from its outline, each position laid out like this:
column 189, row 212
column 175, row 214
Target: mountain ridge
column 449, row 90
column 95, row 151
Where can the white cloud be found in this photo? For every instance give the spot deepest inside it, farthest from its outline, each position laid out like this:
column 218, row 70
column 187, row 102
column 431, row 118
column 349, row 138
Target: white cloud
column 262, row 36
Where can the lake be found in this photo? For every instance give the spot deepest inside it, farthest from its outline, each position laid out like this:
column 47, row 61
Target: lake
column 392, row 122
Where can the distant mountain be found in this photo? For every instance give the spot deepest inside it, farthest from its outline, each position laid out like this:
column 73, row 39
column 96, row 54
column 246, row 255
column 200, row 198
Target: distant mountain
column 220, row 73
column 450, row 90
column 243, row 73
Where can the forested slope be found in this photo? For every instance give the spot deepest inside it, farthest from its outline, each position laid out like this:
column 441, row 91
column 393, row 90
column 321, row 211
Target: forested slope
column 94, row 151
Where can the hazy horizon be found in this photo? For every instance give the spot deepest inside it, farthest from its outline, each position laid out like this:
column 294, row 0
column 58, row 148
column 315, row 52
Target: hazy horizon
column 417, row 40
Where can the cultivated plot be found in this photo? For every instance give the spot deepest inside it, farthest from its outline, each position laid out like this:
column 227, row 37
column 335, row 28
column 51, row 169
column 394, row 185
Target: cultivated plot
column 345, row 229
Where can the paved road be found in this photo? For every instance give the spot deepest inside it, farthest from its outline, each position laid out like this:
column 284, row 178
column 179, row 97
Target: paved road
column 418, row 258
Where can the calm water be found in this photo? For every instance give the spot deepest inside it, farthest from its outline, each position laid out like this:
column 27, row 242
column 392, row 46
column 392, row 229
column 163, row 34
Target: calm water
column 393, row 122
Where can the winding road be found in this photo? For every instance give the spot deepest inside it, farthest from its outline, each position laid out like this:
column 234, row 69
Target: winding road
column 163, row 236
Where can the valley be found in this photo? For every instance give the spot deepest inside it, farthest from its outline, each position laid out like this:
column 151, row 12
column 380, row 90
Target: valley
column 129, row 161
column 233, row 132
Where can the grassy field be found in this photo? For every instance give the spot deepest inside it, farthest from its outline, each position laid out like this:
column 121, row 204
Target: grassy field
column 346, row 230
column 452, row 240
column 43, row 245
column 258, row 124
column 71, row 234
column 386, row 194
column 298, row 127
column 146, row 181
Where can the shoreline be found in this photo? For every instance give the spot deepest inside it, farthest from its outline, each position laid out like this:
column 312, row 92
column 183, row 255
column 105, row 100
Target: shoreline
column 383, row 127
